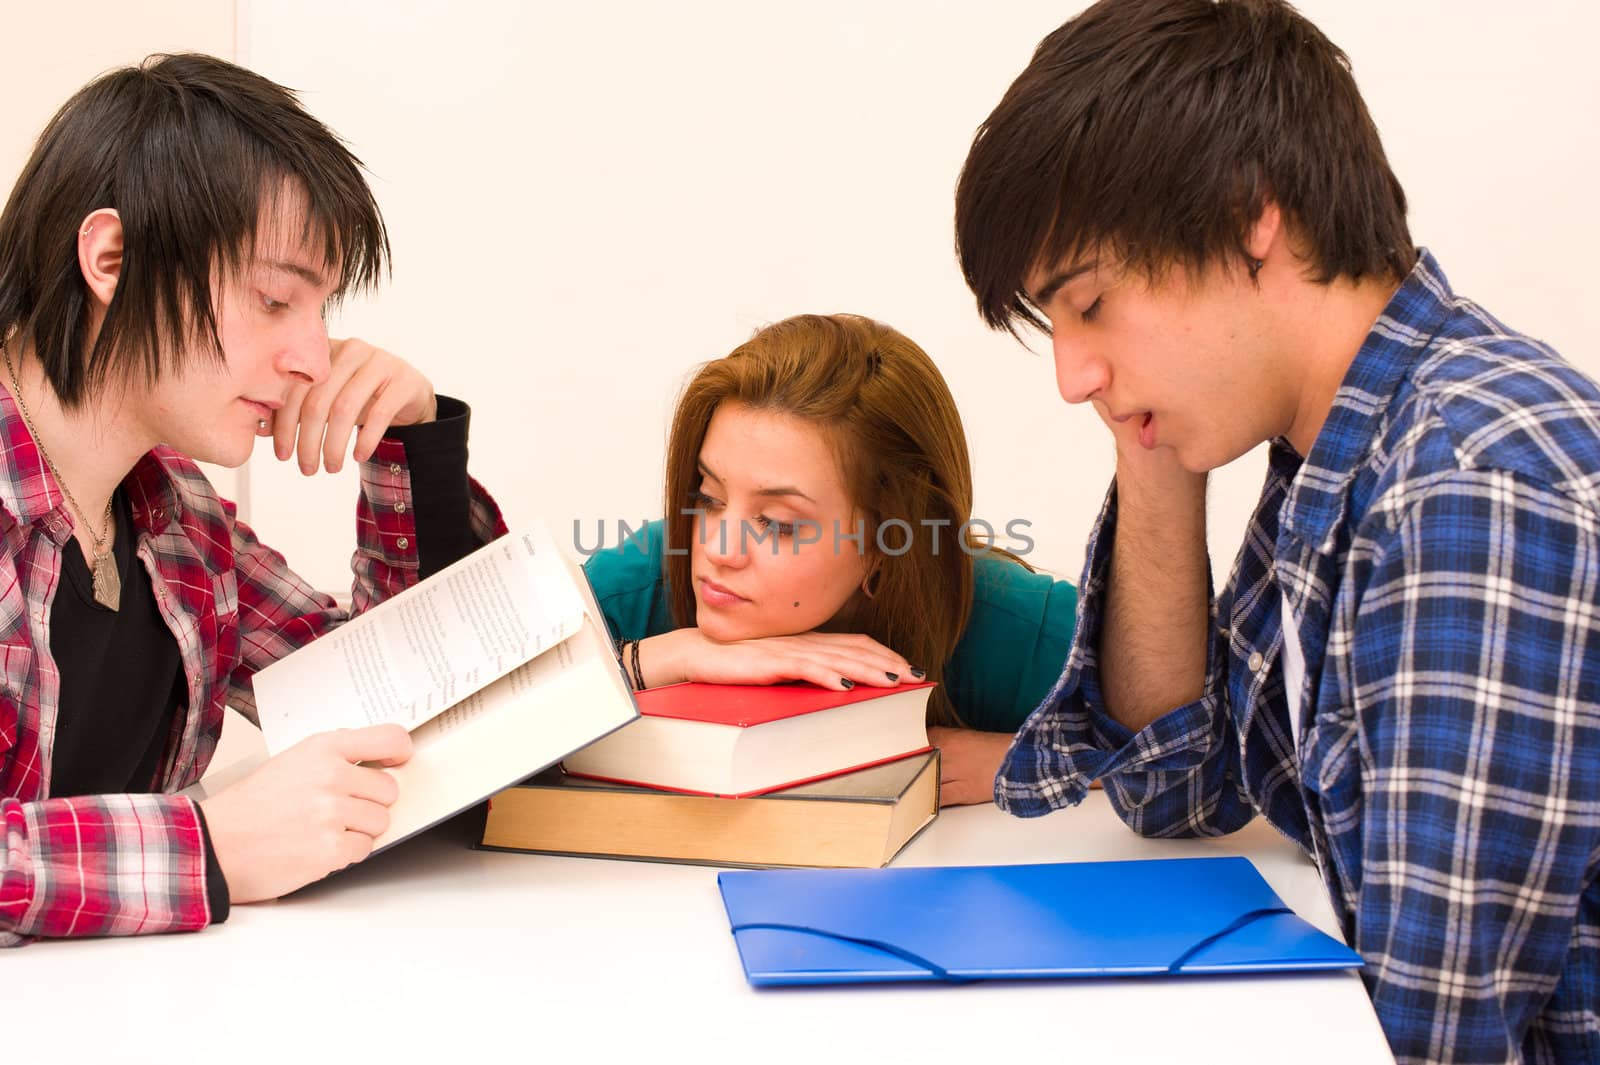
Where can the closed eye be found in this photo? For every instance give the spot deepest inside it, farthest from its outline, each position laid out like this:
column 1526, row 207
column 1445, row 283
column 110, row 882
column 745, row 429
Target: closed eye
column 783, row 528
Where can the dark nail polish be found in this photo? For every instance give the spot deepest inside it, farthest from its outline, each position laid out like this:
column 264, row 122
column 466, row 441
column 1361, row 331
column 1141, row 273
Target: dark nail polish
column 919, row 673
column 891, row 676
column 847, row 682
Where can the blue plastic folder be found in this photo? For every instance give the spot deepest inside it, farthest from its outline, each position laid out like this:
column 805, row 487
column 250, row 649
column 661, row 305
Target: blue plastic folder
column 960, row 923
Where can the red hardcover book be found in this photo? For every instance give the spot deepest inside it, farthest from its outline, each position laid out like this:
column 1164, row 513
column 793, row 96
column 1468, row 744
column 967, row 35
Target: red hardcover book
column 739, row 740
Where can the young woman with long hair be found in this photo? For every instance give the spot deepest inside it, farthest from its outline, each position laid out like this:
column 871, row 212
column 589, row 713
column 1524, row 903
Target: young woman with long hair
column 818, row 506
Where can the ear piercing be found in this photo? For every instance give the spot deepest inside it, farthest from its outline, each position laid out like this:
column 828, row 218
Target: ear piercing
column 262, row 424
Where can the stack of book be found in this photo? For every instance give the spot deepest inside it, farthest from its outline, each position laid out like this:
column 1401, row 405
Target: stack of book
column 786, row 775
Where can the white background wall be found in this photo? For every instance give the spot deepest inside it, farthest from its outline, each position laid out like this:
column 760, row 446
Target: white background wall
column 587, row 200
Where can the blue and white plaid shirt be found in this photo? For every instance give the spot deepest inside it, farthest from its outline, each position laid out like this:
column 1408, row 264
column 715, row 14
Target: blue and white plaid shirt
column 1440, row 551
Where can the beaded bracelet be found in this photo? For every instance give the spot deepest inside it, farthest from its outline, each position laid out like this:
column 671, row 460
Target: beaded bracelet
column 624, row 655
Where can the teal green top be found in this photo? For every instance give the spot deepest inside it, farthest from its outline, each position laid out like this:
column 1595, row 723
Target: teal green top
column 1008, row 658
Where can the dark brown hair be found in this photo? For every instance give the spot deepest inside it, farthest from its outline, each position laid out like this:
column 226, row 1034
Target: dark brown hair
column 1156, row 130
column 894, row 429
column 189, row 150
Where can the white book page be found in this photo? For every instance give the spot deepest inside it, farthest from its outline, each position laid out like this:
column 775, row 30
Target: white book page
column 410, row 659
column 522, row 723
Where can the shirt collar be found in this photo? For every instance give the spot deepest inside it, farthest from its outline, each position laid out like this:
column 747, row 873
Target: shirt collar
column 30, row 493
column 152, row 495
column 1413, row 316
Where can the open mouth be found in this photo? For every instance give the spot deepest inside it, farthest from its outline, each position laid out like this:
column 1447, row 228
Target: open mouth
column 1147, row 431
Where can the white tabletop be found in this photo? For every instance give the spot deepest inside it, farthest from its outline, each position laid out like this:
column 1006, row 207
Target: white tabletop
column 434, row 951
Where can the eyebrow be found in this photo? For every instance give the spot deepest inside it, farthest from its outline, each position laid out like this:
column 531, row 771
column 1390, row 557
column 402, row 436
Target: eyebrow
column 1052, row 286
column 781, row 490
column 304, row 273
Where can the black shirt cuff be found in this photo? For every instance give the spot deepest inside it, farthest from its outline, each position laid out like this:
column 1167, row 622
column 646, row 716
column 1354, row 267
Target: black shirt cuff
column 441, row 493
column 217, row 897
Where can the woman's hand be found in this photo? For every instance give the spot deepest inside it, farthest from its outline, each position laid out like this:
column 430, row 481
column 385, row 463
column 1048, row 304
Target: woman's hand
column 969, row 761
column 833, row 660
column 366, row 387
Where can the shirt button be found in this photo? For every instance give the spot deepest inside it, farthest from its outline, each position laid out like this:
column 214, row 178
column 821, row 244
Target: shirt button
column 402, row 543
column 394, row 468
column 400, row 507
column 1255, row 661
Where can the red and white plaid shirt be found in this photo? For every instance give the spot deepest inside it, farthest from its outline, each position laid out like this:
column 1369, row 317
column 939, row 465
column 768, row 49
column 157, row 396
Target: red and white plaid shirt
column 126, row 864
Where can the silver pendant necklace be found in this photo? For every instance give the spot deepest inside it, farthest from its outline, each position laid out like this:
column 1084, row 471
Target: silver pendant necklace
column 107, row 581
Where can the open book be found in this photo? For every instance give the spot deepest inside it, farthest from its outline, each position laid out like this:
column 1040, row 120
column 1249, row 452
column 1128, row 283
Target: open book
column 498, row 665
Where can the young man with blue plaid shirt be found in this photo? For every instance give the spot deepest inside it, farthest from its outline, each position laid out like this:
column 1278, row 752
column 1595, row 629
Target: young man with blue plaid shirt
column 1402, row 672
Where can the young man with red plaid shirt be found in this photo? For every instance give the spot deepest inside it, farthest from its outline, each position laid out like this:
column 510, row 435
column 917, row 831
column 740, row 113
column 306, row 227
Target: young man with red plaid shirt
column 166, row 258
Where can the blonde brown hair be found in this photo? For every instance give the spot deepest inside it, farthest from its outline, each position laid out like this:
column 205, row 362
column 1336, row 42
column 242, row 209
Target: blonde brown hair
column 896, row 434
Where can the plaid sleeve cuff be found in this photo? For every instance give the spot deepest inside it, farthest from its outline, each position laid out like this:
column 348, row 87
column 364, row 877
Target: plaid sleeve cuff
column 419, row 510
column 435, row 461
column 1071, row 740
column 102, row 865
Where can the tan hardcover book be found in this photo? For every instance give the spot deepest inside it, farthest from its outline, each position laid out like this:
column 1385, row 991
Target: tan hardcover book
column 860, row 819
